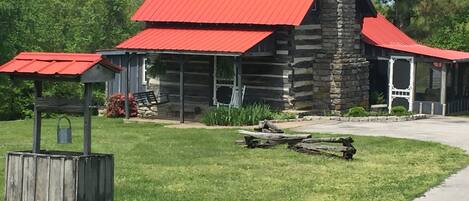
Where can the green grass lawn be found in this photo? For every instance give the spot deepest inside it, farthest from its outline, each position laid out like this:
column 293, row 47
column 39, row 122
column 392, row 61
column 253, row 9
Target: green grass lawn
column 156, row 163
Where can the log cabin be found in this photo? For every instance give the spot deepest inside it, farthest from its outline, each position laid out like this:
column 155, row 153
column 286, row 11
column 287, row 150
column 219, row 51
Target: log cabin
column 312, row 56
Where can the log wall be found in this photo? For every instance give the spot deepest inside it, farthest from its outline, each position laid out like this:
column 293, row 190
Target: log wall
column 267, row 80
column 307, row 43
column 316, row 66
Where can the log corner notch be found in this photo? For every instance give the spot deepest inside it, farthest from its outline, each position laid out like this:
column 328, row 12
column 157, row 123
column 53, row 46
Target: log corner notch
column 303, row 143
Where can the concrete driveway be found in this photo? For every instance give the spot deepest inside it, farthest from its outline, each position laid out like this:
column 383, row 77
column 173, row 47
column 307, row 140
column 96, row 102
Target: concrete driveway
column 452, row 131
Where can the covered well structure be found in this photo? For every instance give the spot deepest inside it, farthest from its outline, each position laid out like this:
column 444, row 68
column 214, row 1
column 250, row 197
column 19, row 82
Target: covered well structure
column 39, row 174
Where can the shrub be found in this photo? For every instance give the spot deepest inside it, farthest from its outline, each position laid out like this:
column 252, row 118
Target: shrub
column 400, row 111
column 16, row 100
column 284, row 115
column 247, row 115
column 115, row 106
column 357, row 112
column 377, row 98
column 378, row 113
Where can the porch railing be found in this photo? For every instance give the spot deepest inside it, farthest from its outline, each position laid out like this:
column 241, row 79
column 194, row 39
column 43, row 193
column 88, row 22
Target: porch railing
column 436, row 108
column 428, row 107
column 458, row 106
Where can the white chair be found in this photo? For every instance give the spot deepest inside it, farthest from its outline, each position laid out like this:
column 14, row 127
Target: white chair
column 235, row 102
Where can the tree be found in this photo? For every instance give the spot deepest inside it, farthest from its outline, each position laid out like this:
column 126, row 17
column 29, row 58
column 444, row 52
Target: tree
column 400, row 12
column 439, row 23
column 57, row 26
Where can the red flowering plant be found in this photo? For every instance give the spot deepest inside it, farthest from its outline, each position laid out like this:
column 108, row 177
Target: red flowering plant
column 115, row 106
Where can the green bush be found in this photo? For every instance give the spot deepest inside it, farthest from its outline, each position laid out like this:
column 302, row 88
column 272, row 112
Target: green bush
column 400, row 111
column 377, row 98
column 16, row 100
column 247, row 115
column 378, row 113
column 357, row 112
column 284, row 115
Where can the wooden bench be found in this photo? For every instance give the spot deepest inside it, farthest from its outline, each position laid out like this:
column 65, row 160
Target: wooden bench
column 149, row 99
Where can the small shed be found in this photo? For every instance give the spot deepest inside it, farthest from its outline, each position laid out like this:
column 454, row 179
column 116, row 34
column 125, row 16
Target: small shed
column 39, row 174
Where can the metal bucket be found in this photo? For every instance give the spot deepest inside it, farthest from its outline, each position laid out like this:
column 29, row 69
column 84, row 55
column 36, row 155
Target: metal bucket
column 64, row 135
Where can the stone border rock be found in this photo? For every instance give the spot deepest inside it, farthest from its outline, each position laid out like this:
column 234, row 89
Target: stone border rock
column 357, row 119
column 381, row 118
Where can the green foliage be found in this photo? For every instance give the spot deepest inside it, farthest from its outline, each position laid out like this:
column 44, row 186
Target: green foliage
column 377, row 98
column 225, row 67
column 99, row 95
column 437, row 23
column 378, row 113
column 57, row 26
column 284, row 115
column 246, row 115
column 70, row 26
column 15, row 99
column 400, row 111
column 70, row 90
column 357, row 112
column 453, row 34
column 156, row 67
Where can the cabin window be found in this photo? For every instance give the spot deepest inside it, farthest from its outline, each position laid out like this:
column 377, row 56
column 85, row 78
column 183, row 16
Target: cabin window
column 223, row 80
column 227, row 86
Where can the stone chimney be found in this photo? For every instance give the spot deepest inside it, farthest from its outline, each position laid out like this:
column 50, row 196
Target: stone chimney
column 340, row 72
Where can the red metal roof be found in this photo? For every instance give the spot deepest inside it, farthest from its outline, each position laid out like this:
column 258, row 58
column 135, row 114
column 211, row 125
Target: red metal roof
column 378, row 31
column 198, row 40
column 262, row 12
column 55, row 63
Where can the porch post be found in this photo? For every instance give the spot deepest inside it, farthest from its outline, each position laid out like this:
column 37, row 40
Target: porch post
column 37, row 119
column 181, row 90
column 455, row 80
column 443, row 88
column 390, row 84
column 412, row 85
column 215, row 61
column 239, row 77
column 87, row 119
column 127, row 70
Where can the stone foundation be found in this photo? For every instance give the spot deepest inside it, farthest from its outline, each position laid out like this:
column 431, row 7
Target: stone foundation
column 147, row 113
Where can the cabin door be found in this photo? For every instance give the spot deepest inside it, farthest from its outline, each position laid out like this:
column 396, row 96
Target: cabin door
column 401, row 82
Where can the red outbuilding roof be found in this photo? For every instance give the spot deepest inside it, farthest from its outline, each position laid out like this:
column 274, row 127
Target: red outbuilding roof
column 261, row 12
column 378, row 31
column 43, row 63
column 196, row 40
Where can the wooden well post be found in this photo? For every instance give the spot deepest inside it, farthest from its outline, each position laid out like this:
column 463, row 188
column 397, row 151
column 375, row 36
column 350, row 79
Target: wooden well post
column 43, row 175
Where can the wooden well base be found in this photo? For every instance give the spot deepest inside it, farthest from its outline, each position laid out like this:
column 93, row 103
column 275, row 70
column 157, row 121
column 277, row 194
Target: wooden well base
column 59, row 176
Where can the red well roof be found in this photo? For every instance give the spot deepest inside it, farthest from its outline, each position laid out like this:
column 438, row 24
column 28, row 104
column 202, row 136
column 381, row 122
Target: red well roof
column 263, row 12
column 197, row 40
column 378, row 31
column 55, row 63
